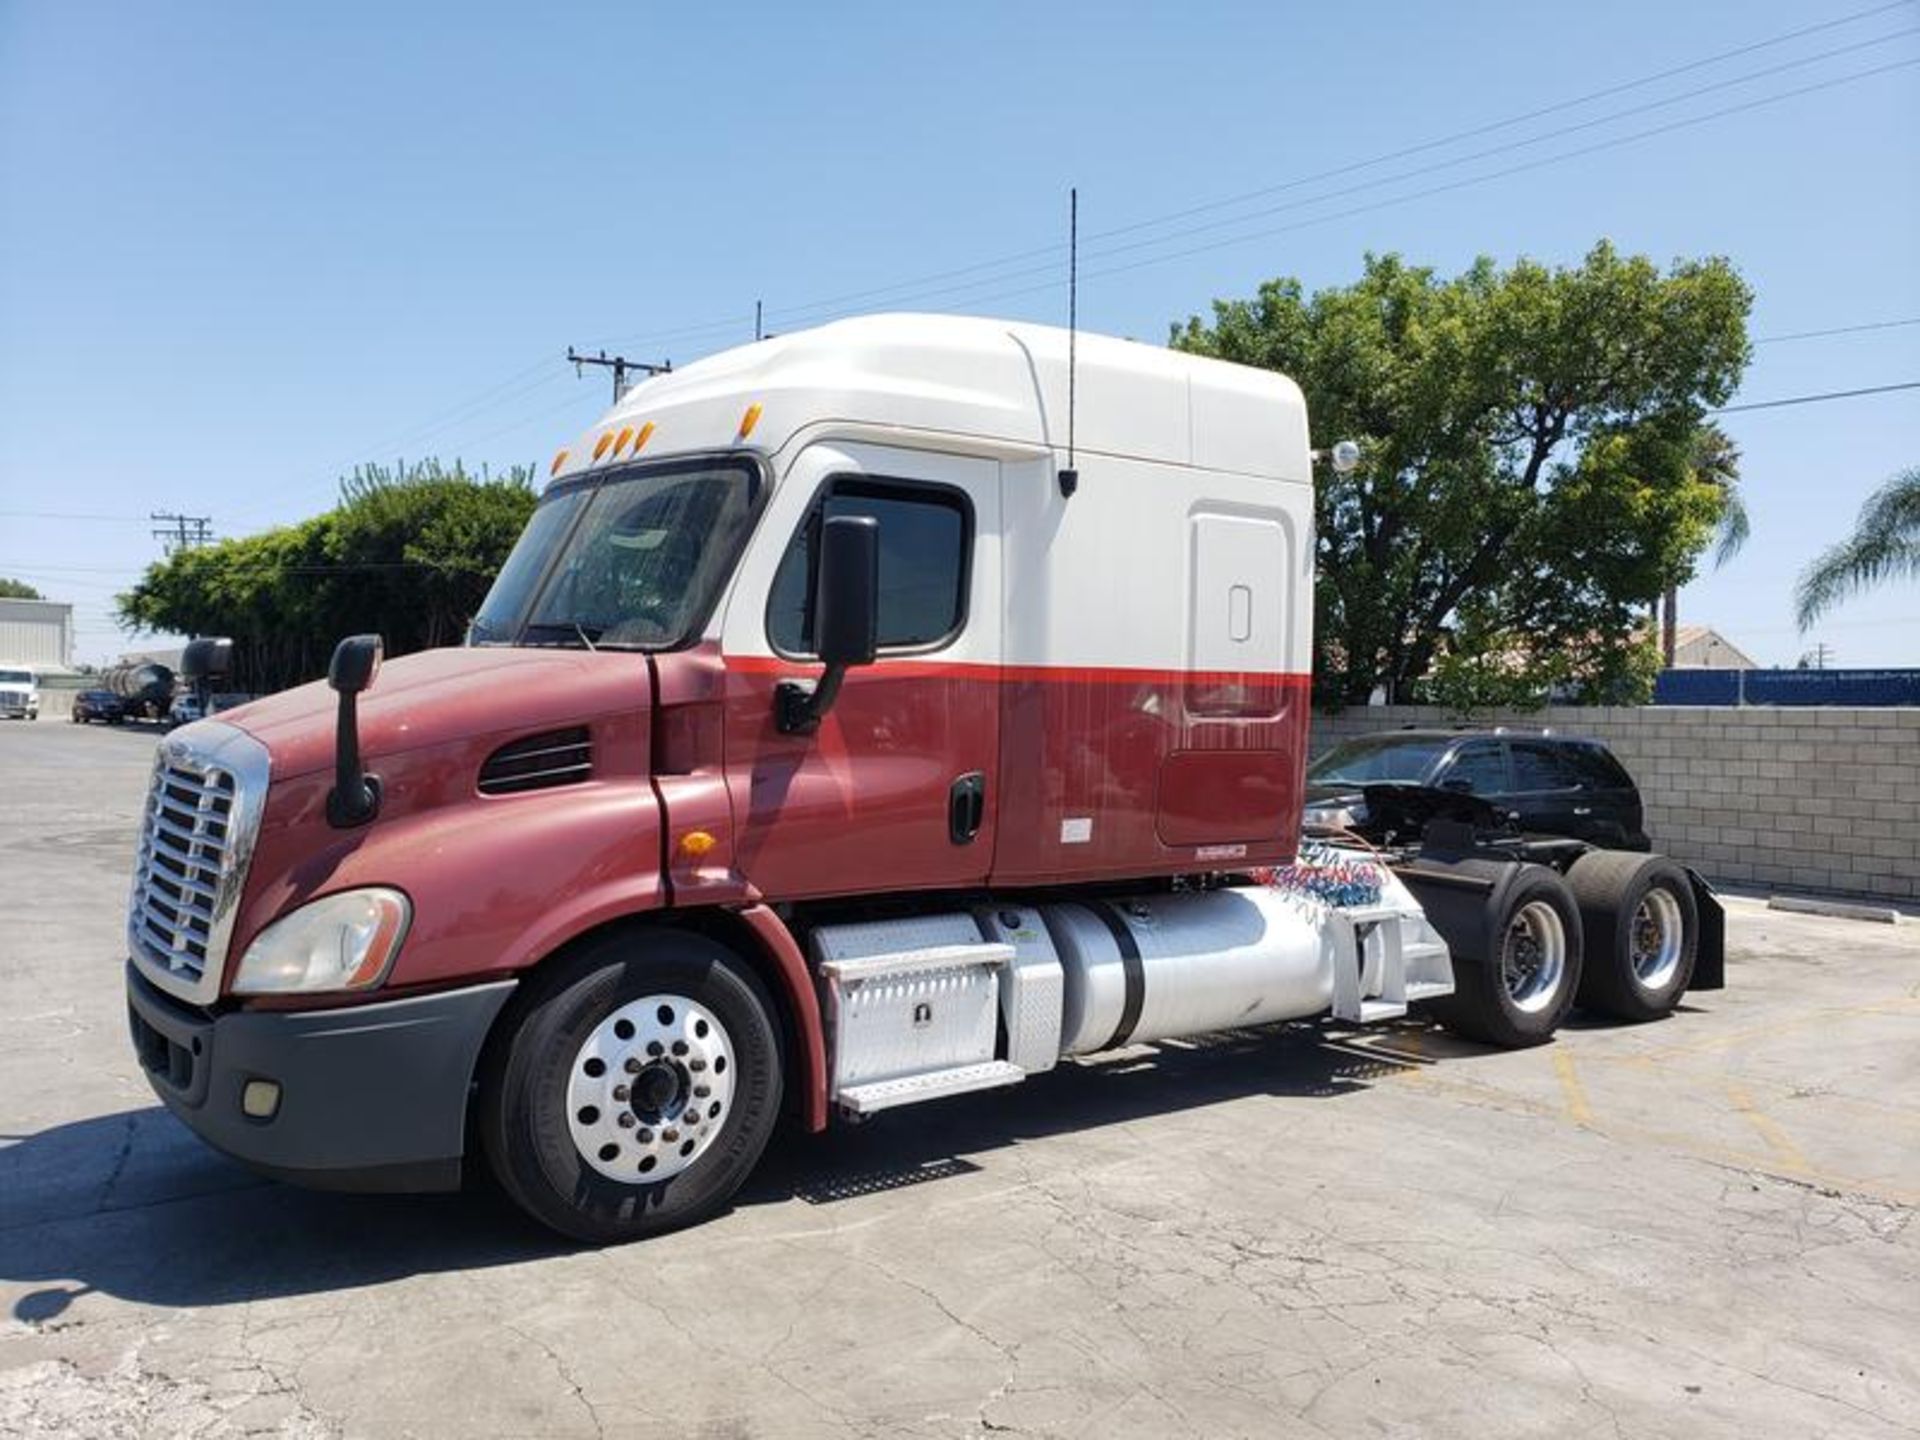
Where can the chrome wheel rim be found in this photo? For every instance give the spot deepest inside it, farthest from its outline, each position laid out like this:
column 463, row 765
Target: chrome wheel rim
column 651, row 1089
column 1657, row 934
column 1533, row 956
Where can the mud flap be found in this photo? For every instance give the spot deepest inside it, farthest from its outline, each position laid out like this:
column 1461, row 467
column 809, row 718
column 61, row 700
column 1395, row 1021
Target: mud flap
column 1710, row 952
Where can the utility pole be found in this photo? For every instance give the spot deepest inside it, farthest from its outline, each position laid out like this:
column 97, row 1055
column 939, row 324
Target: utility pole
column 181, row 532
column 620, row 366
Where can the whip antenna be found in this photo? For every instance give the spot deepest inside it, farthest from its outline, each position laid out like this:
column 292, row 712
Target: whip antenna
column 1070, row 477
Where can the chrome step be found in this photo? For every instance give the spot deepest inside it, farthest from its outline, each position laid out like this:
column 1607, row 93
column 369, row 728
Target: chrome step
column 897, row 964
column 880, row 1095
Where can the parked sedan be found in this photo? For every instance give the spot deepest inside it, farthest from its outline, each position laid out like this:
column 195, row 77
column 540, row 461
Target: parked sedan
column 101, row 705
column 1549, row 784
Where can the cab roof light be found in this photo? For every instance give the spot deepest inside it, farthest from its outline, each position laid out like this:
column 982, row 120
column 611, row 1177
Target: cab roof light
column 640, row 440
column 600, row 445
column 749, row 420
column 620, row 444
column 558, row 460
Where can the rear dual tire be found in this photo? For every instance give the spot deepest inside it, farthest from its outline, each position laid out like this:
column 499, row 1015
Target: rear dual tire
column 1643, row 929
column 1518, row 995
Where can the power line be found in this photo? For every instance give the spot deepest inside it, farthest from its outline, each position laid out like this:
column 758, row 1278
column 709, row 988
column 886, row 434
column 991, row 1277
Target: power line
column 1835, row 330
column 785, row 314
column 1816, row 399
column 791, row 317
column 1463, row 183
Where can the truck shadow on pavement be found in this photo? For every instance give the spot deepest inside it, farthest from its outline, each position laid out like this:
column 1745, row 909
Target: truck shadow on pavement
column 133, row 1205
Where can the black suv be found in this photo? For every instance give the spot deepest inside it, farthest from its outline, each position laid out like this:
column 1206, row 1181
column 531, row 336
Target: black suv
column 1549, row 784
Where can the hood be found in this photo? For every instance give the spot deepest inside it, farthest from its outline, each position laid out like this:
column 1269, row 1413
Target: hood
column 440, row 696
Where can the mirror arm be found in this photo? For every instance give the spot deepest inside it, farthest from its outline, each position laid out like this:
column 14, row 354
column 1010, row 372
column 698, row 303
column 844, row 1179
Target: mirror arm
column 800, row 706
column 355, row 797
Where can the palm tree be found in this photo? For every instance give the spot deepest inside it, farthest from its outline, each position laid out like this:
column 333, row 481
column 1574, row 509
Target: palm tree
column 1716, row 461
column 1885, row 545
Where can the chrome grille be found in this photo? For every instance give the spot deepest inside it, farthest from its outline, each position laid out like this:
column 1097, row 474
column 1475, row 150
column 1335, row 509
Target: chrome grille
column 202, row 815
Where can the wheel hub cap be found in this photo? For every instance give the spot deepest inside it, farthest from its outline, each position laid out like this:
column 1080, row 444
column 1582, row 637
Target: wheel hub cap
column 650, row 1089
column 1658, row 931
column 1534, row 956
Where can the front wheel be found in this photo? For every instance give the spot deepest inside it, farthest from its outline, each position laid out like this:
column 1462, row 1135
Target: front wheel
column 1519, row 994
column 636, row 1089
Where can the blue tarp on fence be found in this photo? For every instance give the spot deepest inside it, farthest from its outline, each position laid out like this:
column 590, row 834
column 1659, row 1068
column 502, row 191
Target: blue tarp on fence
column 1787, row 687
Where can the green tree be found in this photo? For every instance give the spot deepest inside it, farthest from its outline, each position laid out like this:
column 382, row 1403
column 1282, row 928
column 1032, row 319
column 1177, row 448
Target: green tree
column 18, row 590
column 1885, row 545
column 408, row 552
column 1528, row 487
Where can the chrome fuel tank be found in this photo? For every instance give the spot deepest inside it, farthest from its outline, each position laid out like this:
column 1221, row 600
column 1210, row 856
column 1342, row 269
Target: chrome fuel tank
column 1152, row 967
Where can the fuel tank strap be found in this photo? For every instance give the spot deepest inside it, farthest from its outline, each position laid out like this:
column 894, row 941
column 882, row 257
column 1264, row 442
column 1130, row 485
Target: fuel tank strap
column 1131, row 968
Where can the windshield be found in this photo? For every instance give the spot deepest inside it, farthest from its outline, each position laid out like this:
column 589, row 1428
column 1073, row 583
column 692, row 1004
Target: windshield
column 16, row 677
column 631, row 560
column 1376, row 761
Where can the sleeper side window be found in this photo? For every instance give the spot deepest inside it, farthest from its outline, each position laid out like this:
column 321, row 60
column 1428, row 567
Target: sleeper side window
column 926, row 534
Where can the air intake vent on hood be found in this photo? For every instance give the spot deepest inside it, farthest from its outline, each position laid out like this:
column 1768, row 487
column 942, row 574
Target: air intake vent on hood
column 559, row 757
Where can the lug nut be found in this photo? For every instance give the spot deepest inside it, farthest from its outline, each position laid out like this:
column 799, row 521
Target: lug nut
column 619, row 1092
column 633, row 1065
column 679, row 1047
column 696, row 1064
column 645, row 1137
column 624, row 1119
column 692, row 1117
column 669, row 1135
column 655, row 1049
column 700, row 1092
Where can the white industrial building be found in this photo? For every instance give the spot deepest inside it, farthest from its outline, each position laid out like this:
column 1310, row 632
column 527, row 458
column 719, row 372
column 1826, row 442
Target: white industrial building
column 36, row 634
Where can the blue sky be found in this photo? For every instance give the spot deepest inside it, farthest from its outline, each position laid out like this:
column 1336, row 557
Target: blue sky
column 243, row 246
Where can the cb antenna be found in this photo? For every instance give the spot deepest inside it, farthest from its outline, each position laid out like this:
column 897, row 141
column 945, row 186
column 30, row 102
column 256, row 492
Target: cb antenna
column 1070, row 476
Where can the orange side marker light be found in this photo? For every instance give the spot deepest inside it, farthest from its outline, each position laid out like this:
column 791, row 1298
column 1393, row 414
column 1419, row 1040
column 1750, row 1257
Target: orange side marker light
column 749, row 420
column 696, row 843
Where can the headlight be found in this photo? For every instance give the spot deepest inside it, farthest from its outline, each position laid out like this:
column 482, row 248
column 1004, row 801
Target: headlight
column 338, row 942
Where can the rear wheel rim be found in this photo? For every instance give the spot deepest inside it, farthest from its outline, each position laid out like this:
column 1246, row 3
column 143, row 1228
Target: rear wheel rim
column 1533, row 957
column 650, row 1089
column 1658, row 934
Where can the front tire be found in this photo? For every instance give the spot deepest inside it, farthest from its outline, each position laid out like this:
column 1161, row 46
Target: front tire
column 636, row 1089
column 1643, row 931
column 1518, row 995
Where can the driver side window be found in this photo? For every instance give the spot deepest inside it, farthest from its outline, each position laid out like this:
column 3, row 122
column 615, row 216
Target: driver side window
column 926, row 535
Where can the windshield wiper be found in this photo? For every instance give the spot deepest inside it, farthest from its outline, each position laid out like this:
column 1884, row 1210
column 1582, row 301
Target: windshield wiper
column 565, row 628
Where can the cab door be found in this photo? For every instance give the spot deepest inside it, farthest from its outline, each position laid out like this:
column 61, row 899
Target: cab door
column 896, row 788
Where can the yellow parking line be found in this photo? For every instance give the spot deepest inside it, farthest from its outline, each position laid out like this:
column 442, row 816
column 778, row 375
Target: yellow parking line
column 1571, row 1090
column 1778, row 1141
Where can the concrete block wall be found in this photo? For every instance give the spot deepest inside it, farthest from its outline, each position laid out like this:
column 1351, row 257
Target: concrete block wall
column 1814, row 799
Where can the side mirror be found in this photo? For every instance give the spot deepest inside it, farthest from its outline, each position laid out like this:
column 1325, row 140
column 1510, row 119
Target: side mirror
column 356, row 660
column 207, row 658
column 846, row 600
column 846, row 619
column 355, row 797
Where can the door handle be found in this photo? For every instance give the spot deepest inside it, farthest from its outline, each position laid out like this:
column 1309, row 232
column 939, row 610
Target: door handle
column 1583, row 809
column 966, row 807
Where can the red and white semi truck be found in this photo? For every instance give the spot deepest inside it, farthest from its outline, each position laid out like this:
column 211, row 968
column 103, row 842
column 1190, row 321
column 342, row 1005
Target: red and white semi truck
column 829, row 743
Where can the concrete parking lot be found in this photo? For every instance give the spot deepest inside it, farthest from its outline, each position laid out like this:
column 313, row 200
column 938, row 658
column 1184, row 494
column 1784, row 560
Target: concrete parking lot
column 1699, row 1227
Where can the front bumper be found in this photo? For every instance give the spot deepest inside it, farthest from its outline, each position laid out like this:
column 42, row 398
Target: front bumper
column 371, row 1097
